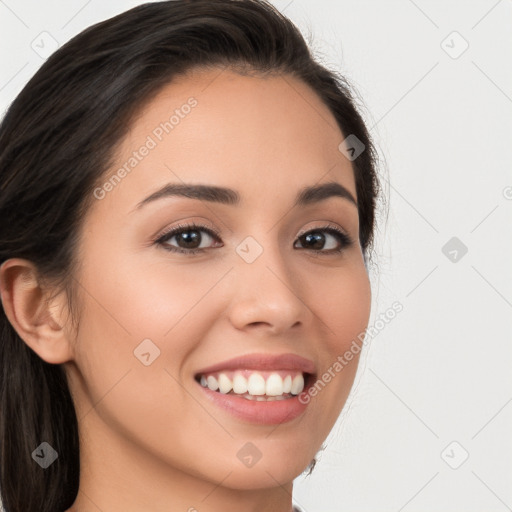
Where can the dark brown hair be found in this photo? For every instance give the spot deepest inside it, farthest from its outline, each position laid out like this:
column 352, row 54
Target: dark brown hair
column 57, row 141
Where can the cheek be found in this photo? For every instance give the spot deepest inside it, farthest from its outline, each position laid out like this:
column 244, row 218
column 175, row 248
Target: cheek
column 148, row 404
column 343, row 307
column 142, row 318
column 343, row 303
column 142, row 298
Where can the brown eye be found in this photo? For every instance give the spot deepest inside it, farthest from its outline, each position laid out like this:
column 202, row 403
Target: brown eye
column 317, row 240
column 188, row 238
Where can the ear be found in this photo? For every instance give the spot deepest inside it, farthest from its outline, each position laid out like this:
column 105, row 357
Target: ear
column 38, row 321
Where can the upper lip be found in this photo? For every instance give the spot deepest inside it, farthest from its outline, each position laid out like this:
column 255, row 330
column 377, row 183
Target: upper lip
column 286, row 361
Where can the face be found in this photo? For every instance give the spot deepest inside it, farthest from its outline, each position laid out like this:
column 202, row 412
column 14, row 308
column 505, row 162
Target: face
column 162, row 302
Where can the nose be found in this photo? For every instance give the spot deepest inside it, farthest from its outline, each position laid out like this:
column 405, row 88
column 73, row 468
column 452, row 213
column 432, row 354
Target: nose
column 267, row 295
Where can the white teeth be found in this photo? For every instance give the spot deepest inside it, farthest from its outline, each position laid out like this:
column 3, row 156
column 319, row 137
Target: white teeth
column 225, row 385
column 274, row 387
column 297, row 384
column 256, row 384
column 239, row 384
column 212, row 383
column 247, row 396
column 287, row 384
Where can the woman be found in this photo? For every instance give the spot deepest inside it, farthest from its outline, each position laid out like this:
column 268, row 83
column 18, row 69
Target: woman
column 187, row 204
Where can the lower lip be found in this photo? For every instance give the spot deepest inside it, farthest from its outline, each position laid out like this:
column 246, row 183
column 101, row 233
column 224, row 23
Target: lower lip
column 260, row 412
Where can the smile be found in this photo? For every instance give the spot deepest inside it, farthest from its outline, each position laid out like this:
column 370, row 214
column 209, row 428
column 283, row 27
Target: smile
column 255, row 385
column 254, row 396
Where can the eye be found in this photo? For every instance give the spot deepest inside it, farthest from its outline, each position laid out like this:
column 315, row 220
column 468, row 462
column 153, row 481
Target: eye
column 188, row 237
column 316, row 239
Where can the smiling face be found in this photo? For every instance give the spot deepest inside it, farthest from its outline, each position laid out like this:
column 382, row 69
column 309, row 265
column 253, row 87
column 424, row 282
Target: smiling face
column 154, row 315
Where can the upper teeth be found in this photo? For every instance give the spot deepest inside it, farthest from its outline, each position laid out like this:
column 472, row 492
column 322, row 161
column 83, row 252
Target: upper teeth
column 255, row 383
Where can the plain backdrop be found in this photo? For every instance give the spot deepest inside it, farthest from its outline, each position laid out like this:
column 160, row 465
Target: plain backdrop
column 427, row 426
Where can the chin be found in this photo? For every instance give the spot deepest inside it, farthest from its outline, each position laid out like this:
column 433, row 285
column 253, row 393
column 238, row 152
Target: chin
column 263, row 476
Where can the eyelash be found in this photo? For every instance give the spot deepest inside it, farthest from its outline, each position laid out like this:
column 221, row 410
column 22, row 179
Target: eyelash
column 344, row 239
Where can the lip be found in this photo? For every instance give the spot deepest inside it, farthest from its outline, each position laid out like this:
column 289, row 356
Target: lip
column 262, row 413
column 255, row 412
column 288, row 361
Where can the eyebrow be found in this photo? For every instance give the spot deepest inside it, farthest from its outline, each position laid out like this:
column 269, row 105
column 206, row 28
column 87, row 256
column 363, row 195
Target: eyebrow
column 227, row 196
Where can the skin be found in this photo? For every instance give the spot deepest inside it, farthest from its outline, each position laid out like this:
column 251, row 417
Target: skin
column 150, row 441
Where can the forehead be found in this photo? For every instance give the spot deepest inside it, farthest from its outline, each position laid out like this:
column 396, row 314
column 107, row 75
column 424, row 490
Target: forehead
column 261, row 135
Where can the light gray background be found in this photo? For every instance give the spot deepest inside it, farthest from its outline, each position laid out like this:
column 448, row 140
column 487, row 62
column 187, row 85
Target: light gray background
column 439, row 372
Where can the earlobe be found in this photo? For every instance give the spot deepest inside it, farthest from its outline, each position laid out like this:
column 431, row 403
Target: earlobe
column 37, row 320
